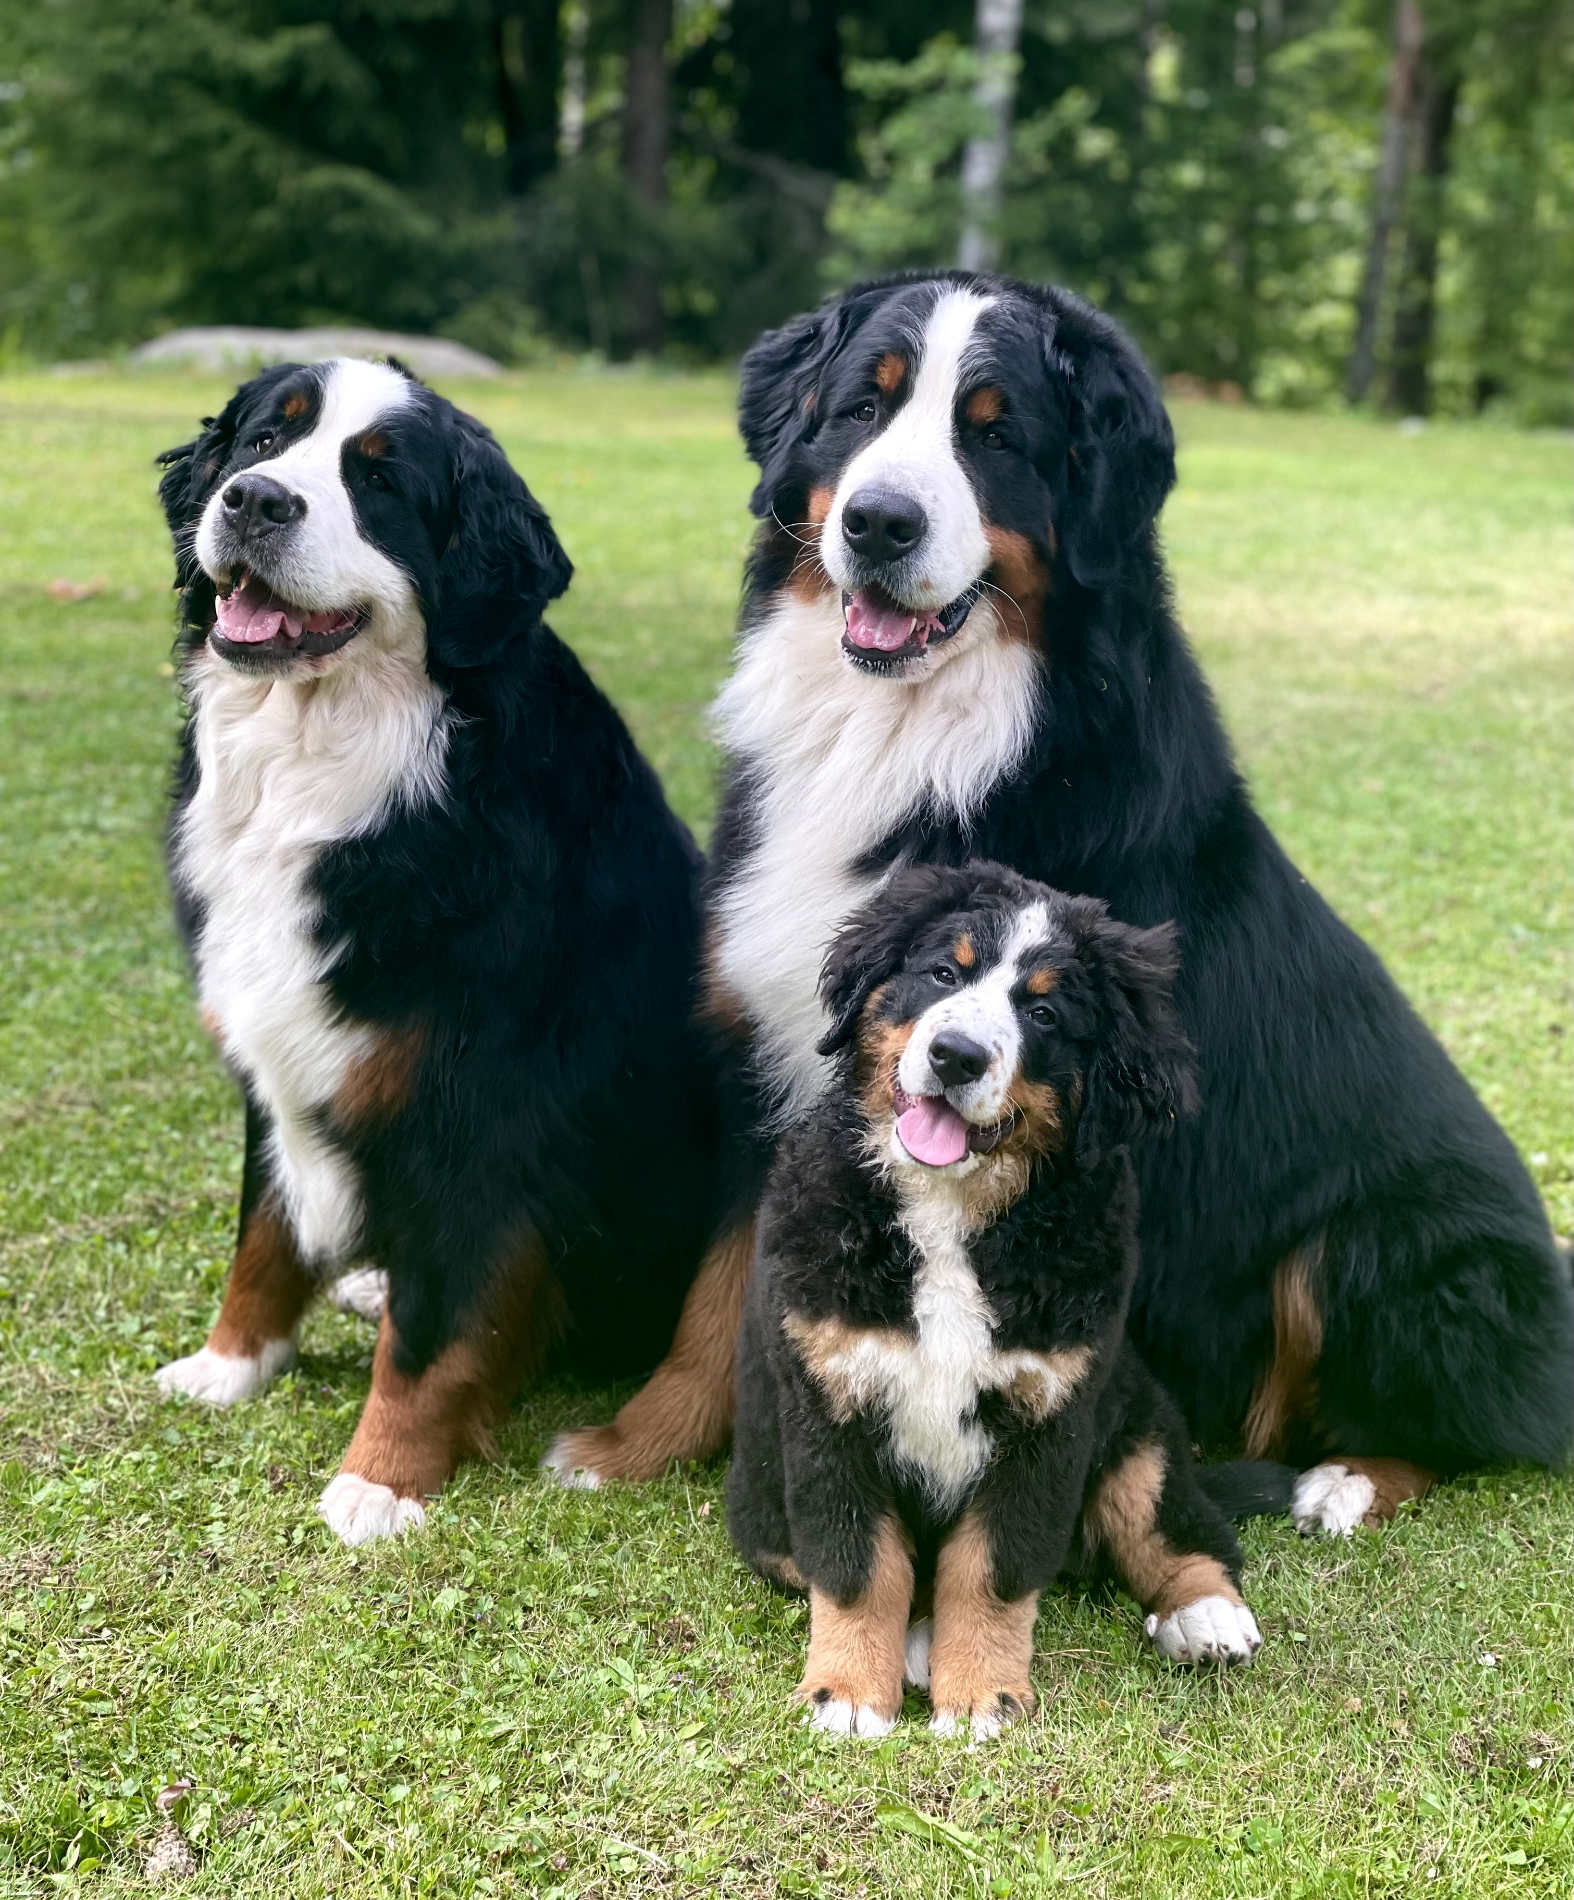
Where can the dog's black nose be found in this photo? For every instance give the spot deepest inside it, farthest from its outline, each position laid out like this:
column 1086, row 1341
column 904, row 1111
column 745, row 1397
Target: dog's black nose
column 956, row 1058
column 883, row 525
column 257, row 504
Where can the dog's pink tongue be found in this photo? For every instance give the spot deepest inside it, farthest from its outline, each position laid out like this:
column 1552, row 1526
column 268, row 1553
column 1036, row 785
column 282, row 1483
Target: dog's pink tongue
column 932, row 1131
column 253, row 613
column 882, row 629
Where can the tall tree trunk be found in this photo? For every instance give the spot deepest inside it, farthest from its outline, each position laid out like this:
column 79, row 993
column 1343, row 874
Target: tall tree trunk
column 997, row 32
column 1410, row 351
column 1385, row 200
column 647, row 131
column 527, row 55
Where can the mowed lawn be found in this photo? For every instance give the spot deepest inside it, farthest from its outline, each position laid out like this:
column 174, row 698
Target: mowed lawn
column 564, row 1694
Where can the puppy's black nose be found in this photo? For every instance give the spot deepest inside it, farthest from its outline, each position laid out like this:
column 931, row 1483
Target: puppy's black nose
column 956, row 1058
column 883, row 525
column 257, row 504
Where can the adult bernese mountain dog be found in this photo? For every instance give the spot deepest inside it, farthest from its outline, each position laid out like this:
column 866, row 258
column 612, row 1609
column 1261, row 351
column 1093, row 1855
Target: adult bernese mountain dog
column 957, row 640
column 938, row 1407
column 444, row 927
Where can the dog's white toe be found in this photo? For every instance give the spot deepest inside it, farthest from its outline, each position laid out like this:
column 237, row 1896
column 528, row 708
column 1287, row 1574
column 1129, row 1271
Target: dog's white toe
column 558, row 1462
column 363, row 1293
column 915, row 1667
column 359, row 1512
column 1331, row 1499
column 1211, row 1630
column 221, row 1378
column 855, row 1719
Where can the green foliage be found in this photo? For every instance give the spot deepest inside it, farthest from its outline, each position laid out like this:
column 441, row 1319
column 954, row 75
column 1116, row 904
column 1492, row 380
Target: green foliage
column 575, row 1695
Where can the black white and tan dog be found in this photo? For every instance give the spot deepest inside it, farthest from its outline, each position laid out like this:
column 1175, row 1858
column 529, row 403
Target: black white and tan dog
column 937, row 1400
column 958, row 640
column 443, row 924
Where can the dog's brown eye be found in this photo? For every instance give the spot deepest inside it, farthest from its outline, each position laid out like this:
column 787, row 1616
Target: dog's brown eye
column 1043, row 1015
column 866, row 411
column 993, row 439
column 262, row 441
column 944, row 975
column 375, row 478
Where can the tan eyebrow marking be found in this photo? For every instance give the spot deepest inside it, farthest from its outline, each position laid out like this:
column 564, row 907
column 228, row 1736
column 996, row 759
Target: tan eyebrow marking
column 1041, row 982
column 374, row 444
column 294, row 406
column 963, row 952
column 889, row 371
column 985, row 405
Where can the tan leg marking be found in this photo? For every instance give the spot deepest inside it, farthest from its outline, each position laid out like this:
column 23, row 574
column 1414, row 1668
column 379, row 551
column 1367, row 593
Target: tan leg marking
column 377, row 1086
column 1123, row 1518
column 684, row 1409
column 1287, row 1392
column 852, row 1678
column 981, row 1656
column 268, row 1289
column 783, row 1571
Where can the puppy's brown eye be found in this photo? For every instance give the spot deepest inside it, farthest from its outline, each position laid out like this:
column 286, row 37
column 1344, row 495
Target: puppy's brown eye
column 375, row 478
column 993, row 439
column 866, row 411
column 944, row 975
column 262, row 441
column 1043, row 1015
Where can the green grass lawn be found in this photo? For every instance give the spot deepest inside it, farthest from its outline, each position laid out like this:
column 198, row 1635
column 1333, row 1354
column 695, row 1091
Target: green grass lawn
column 582, row 1695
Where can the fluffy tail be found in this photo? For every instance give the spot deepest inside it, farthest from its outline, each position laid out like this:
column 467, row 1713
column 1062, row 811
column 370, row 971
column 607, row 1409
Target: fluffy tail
column 1250, row 1487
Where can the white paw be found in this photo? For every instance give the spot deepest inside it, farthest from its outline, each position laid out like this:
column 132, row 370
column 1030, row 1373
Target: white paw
column 915, row 1666
column 1331, row 1499
column 834, row 1717
column 221, row 1378
column 558, row 1462
column 363, row 1293
column 983, row 1726
column 1211, row 1630
column 359, row 1512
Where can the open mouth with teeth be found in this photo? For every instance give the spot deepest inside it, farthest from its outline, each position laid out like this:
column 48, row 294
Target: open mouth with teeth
column 253, row 623
column 881, row 633
column 936, row 1134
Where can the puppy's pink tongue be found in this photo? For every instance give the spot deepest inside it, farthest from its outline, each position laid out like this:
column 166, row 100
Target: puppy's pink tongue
column 881, row 629
column 933, row 1132
column 254, row 613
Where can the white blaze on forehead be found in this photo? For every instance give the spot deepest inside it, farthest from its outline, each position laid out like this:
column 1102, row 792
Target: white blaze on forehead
column 986, row 1013
column 323, row 561
column 916, row 455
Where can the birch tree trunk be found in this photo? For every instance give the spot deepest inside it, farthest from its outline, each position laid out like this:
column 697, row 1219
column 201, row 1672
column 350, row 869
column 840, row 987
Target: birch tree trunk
column 997, row 32
column 1385, row 202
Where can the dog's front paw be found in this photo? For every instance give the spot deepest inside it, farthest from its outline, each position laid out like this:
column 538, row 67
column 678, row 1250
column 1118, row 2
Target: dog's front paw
column 1211, row 1630
column 221, row 1378
column 359, row 1512
column 980, row 1714
column 915, row 1660
column 362, row 1293
column 836, row 1709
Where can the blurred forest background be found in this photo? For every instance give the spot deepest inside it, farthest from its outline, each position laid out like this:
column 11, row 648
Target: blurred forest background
column 1299, row 201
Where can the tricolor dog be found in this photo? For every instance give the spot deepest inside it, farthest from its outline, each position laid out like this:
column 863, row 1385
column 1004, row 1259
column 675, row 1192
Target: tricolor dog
column 937, row 1403
column 443, row 925
column 959, row 639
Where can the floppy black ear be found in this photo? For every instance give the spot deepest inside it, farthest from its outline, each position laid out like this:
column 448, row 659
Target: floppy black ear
column 191, row 473
column 872, row 943
column 778, row 385
column 1122, row 451
column 1143, row 1073
column 502, row 562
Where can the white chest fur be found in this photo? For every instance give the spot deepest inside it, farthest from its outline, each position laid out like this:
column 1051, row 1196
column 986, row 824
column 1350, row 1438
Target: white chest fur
column 927, row 1385
column 840, row 760
column 286, row 769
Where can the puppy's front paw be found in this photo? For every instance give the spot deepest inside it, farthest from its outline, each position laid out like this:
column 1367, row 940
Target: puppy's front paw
column 981, row 1714
column 362, row 1293
column 1211, row 1630
column 221, row 1378
column 915, row 1661
column 359, row 1512
column 835, row 1713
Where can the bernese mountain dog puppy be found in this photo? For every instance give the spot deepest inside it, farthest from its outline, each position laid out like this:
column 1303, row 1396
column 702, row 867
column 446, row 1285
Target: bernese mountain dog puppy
column 937, row 1400
column 958, row 640
column 443, row 925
